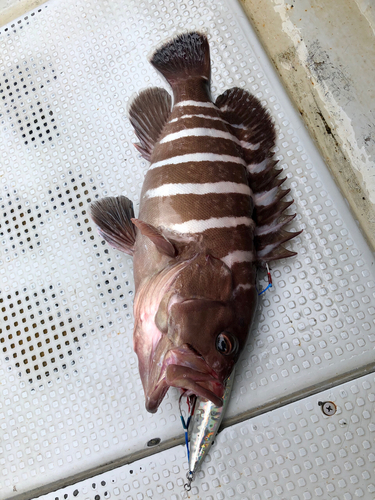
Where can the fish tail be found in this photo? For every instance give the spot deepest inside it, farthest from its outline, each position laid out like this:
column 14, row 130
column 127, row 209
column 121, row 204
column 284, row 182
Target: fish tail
column 186, row 56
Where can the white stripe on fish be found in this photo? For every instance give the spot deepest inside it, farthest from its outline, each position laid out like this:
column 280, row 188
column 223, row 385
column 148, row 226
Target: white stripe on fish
column 199, row 189
column 266, row 250
column 234, row 125
column 243, row 286
column 196, row 103
column 255, row 168
column 269, row 228
column 243, row 144
column 199, row 226
column 237, row 256
column 199, row 132
column 208, row 132
column 206, row 117
column 197, row 157
column 249, row 145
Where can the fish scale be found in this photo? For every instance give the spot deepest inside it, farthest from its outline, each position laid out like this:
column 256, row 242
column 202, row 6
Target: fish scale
column 184, row 212
column 211, row 212
column 205, row 171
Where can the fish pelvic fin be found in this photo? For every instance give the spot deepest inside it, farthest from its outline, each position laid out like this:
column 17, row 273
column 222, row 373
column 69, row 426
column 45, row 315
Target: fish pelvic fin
column 113, row 216
column 186, row 56
column 148, row 113
column 159, row 240
column 251, row 123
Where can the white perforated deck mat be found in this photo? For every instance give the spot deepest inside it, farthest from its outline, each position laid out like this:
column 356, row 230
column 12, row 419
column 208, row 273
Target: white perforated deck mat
column 292, row 453
column 71, row 398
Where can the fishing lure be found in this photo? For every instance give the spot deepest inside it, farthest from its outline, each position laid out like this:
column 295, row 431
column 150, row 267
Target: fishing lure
column 205, row 421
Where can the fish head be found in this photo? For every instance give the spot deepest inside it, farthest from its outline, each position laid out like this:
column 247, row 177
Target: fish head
column 199, row 330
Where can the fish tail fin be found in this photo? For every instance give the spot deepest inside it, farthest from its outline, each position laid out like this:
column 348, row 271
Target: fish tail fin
column 186, row 56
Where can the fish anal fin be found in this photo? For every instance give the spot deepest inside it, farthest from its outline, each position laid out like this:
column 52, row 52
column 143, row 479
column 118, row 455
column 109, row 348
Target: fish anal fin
column 148, row 113
column 160, row 241
column 113, row 216
column 250, row 121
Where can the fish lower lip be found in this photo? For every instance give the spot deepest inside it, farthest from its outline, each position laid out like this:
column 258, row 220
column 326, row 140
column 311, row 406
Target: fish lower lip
column 185, row 368
column 198, row 383
column 155, row 398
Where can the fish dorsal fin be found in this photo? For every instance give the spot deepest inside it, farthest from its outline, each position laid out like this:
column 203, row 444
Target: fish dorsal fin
column 113, row 217
column 148, row 114
column 251, row 123
column 270, row 219
column 160, row 241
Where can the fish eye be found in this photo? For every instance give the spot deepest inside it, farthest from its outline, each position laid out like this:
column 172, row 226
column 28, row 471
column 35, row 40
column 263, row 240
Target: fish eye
column 225, row 343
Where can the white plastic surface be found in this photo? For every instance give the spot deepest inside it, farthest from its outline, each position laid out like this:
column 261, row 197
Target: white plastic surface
column 293, row 453
column 71, row 397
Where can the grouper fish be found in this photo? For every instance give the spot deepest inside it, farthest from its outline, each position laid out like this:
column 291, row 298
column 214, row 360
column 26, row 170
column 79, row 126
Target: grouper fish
column 211, row 212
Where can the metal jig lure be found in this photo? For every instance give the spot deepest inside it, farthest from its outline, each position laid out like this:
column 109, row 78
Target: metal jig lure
column 201, row 429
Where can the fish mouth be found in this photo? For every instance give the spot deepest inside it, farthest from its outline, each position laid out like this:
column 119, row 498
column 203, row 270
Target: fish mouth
column 185, row 369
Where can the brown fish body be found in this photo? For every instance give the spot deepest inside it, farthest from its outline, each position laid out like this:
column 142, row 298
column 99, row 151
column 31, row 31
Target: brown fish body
column 211, row 211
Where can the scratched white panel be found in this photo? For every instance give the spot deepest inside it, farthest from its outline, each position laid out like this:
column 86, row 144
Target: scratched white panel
column 295, row 453
column 71, row 397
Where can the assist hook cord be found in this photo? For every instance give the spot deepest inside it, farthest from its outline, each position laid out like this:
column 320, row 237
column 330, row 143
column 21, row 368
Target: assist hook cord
column 185, row 425
column 269, row 281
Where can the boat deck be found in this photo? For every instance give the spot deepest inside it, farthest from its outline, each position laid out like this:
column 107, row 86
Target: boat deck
column 72, row 417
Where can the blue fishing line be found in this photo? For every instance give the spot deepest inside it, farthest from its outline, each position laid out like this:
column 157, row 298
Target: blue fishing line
column 268, row 286
column 269, row 281
column 187, row 446
column 186, row 426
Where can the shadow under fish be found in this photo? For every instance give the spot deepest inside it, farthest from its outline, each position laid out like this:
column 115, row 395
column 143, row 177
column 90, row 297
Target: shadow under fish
column 212, row 211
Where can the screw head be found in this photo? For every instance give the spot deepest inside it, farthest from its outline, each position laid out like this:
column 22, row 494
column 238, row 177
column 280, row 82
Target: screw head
column 328, row 407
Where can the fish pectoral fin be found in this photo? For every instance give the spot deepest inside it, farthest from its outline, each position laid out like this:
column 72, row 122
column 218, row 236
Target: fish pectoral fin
column 160, row 241
column 250, row 123
column 113, row 217
column 148, row 114
column 144, row 151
